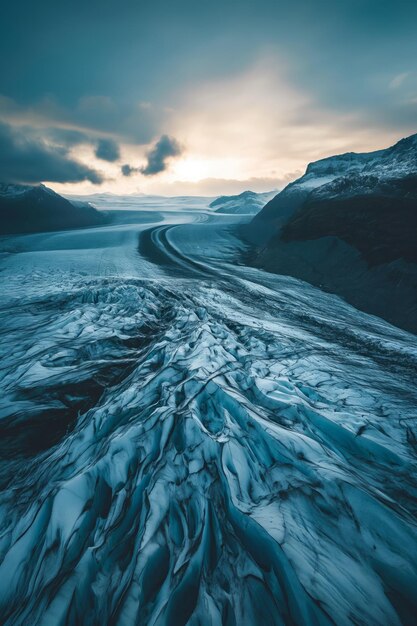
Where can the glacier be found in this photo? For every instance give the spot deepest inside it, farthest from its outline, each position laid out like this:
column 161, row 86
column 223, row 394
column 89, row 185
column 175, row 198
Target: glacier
column 188, row 440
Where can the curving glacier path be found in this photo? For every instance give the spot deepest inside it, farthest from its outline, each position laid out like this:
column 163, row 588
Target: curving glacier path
column 185, row 440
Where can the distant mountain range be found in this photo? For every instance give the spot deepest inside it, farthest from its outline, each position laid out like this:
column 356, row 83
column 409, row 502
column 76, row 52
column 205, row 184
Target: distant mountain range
column 245, row 203
column 349, row 225
column 30, row 209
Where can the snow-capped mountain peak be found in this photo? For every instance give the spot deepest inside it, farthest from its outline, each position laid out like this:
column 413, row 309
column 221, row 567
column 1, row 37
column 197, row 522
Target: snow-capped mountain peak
column 346, row 173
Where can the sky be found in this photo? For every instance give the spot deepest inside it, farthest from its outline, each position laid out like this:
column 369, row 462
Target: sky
column 199, row 98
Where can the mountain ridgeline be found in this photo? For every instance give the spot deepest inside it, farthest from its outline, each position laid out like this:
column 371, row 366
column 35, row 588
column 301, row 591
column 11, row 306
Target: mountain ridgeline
column 31, row 209
column 246, row 203
column 349, row 225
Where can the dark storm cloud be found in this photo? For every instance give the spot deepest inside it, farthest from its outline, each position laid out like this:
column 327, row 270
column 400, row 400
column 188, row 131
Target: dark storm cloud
column 344, row 55
column 341, row 51
column 26, row 159
column 164, row 149
column 156, row 158
column 107, row 150
column 128, row 170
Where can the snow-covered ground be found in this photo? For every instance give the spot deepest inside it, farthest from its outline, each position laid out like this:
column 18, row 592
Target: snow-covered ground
column 186, row 440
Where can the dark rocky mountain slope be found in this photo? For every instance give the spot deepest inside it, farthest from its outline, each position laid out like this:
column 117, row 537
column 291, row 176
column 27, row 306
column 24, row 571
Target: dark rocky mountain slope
column 349, row 225
column 30, row 209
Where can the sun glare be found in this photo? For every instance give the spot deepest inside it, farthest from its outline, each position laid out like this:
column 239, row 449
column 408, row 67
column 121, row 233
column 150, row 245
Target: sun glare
column 195, row 169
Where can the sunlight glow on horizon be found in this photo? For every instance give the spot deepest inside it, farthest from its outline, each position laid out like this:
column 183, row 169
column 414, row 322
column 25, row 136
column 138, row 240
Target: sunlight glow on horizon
column 255, row 130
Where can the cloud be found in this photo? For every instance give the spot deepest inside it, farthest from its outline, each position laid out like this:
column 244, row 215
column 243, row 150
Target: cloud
column 107, row 150
column 24, row 158
column 113, row 93
column 164, row 149
column 131, row 121
column 220, row 186
column 398, row 80
column 65, row 136
column 128, row 170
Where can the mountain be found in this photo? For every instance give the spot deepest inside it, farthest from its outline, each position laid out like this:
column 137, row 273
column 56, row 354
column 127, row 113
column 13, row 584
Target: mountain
column 247, row 202
column 30, row 209
column 347, row 174
column 349, row 225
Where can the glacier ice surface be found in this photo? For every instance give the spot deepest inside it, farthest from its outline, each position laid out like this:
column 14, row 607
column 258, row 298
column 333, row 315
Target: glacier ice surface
column 197, row 442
